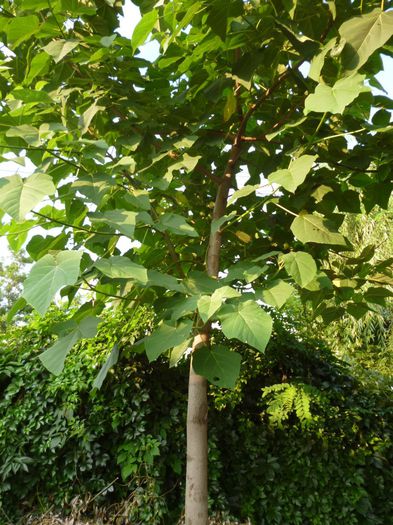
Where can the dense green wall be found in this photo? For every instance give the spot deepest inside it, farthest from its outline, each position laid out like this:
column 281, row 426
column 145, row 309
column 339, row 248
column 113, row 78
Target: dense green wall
column 315, row 451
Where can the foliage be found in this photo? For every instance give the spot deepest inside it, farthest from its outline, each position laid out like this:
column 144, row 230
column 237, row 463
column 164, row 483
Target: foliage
column 121, row 448
column 12, row 275
column 122, row 145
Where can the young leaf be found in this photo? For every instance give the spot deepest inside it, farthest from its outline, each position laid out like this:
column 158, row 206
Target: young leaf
column 312, row 228
column 48, row 275
column 220, row 366
column 301, row 266
column 246, row 321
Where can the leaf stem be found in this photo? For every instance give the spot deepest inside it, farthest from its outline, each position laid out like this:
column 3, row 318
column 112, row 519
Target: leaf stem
column 285, row 209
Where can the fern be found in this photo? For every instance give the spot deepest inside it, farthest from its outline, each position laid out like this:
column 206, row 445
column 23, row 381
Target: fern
column 285, row 399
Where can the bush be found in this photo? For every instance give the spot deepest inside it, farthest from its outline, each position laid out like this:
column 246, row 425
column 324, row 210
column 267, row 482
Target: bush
column 316, row 450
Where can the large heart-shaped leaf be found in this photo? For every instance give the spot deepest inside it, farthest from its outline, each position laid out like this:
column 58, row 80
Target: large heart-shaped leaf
column 276, row 293
column 119, row 267
column 59, row 48
column 176, row 224
column 121, row 220
column 53, row 358
column 312, row 228
column 209, row 304
column 19, row 196
column 219, row 365
column 301, row 266
column 336, row 98
column 363, row 35
column 246, row 321
column 48, row 276
column 165, row 337
column 295, row 175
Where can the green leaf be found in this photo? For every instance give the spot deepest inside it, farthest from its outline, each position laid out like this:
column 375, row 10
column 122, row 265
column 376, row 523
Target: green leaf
column 122, row 221
column 111, row 361
column 363, row 35
column 165, row 337
column 209, row 304
column 53, row 358
column 295, row 175
column 86, row 118
column 276, row 293
column 60, row 48
column 219, row 365
column 319, row 59
column 21, row 28
column 243, row 192
column 246, row 321
column 301, row 266
column 377, row 295
column 143, row 28
column 217, row 223
column 37, row 66
column 230, row 106
column 28, row 133
column 19, row 196
column 48, row 275
column 176, row 224
column 335, row 99
column 312, row 228
column 119, row 267
column 178, row 352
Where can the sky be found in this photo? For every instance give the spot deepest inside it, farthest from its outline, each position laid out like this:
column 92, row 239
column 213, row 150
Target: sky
column 150, row 51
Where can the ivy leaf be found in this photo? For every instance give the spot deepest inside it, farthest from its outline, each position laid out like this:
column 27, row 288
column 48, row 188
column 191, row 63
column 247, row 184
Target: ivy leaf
column 276, row 293
column 60, row 48
column 363, row 35
column 301, row 266
column 53, row 358
column 295, row 175
column 19, row 196
column 219, row 365
column 48, row 275
column 335, row 99
column 246, row 321
column 312, row 228
column 143, row 28
column 165, row 337
column 111, row 361
column 119, row 267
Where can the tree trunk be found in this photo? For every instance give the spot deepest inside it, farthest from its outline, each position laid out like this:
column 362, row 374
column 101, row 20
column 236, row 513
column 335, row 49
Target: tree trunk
column 196, row 476
column 196, row 505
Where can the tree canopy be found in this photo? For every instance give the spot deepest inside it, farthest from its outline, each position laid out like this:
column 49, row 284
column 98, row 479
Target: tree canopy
column 150, row 151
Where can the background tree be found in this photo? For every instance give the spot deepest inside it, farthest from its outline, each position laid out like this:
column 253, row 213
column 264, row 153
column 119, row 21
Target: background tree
column 151, row 151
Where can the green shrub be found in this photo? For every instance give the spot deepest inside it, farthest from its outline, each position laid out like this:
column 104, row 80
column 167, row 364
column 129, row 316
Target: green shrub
column 319, row 455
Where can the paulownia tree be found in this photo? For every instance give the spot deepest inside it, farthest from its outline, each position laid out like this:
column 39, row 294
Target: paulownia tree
column 279, row 92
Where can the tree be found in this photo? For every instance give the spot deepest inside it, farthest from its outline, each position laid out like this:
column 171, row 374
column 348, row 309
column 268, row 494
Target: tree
column 152, row 152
